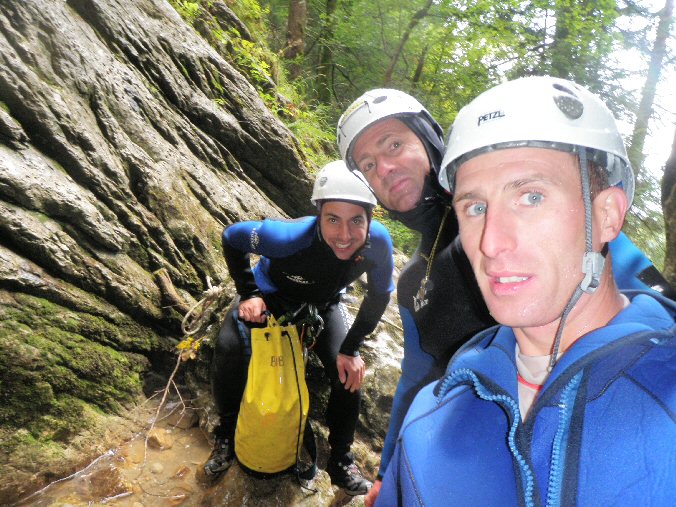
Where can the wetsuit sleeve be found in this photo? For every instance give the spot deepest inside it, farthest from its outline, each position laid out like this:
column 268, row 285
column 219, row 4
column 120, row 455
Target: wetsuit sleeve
column 403, row 397
column 379, row 278
column 239, row 241
column 378, row 288
column 633, row 270
column 273, row 239
column 389, row 491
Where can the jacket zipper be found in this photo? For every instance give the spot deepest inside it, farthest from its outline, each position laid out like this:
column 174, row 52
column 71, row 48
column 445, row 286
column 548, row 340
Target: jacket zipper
column 464, row 376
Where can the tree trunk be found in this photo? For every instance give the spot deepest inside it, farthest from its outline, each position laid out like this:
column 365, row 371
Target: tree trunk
column 404, row 38
column 669, row 210
column 419, row 68
column 295, row 35
column 657, row 55
column 325, row 64
column 561, row 50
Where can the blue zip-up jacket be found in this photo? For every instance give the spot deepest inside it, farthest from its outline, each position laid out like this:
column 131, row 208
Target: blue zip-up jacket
column 456, row 308
column 296, row 263
column 601, row 432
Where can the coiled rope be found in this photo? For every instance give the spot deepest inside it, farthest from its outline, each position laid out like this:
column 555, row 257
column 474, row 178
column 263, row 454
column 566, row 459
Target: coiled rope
column 202, row 310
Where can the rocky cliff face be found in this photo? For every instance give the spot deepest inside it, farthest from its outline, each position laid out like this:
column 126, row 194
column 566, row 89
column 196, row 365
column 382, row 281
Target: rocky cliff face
column 127, row 143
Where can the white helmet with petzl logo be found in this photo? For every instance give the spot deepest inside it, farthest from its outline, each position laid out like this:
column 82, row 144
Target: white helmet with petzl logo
column 538, row 111
column 551, row 113
column 335, row 182
column 380, row 104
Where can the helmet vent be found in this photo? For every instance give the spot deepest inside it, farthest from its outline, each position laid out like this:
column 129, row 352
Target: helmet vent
column 380, row 99
column 568, row 103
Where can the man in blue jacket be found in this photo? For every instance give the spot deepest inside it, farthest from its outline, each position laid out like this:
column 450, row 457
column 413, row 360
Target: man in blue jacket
column 572, row 399
column 307, row 263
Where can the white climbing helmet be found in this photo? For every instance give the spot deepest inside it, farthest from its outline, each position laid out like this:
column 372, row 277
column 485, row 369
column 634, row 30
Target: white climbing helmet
column 538, row 111
column 335, row 182
column 371, row 107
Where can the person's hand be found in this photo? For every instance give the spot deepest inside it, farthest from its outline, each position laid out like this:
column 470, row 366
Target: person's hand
column 371, row 496
column 350, row 371
column 251, row 310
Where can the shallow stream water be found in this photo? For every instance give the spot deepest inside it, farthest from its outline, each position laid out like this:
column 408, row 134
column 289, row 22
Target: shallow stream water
column 157, row 468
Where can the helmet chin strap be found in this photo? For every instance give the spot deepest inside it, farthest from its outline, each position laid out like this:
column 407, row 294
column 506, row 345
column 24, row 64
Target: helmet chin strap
column 592, row 262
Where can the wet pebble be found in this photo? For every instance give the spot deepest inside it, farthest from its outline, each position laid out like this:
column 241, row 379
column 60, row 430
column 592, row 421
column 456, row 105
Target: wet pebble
column 160, row 439
column 182, row 472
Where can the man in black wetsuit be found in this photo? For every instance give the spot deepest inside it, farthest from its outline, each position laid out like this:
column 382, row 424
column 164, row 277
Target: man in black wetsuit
column 307, row 261
column 395, row 143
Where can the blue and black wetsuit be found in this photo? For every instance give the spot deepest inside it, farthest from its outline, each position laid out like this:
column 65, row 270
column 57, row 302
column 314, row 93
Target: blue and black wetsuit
column 453, row 312
column 298, row 267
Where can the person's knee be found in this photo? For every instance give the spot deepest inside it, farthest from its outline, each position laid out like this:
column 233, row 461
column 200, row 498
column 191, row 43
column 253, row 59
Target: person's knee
column 331, row 372
column 229, row 359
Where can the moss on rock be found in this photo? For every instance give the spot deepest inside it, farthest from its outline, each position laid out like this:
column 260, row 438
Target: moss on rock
column 57, row 364
column 65, row 374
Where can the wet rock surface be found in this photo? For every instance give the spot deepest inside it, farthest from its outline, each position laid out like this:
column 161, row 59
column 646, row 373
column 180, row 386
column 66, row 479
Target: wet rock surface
column 127, row 143
column 136, row 473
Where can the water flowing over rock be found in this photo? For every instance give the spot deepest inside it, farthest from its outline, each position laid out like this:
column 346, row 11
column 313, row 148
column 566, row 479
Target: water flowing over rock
column 127, row 143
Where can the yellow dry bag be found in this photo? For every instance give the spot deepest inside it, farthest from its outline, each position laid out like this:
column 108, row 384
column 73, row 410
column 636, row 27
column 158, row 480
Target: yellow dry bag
column 274, row 408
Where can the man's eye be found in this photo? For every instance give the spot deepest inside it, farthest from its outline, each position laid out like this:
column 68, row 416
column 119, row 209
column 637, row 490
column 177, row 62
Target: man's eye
column 358, row 221
column 366, row 167
column 532, row 198
column 396, row 145
column 476, row 209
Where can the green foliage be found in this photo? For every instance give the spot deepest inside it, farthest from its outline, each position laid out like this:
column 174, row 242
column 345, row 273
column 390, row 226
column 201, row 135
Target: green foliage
column 252, row 14
column 456, row 50
column 403, row 238
column 188, row 10
column 460, row 48
column 249, row 58
column 254, row 59
column 311, row 125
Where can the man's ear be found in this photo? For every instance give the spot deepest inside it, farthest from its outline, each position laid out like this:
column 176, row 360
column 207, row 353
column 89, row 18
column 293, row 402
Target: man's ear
column 610, row 207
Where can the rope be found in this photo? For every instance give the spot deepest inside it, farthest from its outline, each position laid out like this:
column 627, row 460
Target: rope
column 419, row 300
column 434, row 246
column 192, row 324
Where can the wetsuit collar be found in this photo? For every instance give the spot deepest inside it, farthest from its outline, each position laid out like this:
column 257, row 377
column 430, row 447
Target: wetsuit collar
column 427, row 213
